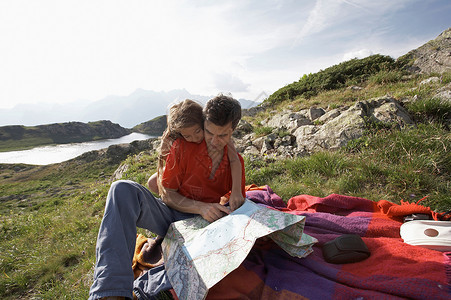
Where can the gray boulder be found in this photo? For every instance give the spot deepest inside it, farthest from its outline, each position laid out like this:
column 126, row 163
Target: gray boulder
column 432, row 57
column 351, row 124
column 287, row 120
column 332, row 129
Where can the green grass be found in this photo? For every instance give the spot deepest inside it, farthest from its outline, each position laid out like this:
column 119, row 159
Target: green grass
column 386, row 76
column 50, row 215
column 49, row 221
column 431, row 109
column 262, row 130
column 48, row 244
column 389, row 164
column 24, row 144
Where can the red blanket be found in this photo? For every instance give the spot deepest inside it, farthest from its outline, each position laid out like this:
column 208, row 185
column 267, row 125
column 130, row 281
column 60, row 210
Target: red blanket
column 394, row 270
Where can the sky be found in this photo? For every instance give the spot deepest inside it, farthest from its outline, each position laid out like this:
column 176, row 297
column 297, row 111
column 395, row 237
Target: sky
column 63, row 51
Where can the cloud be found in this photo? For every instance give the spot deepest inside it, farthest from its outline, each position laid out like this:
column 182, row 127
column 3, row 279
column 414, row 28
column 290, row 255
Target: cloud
column 316, row 22
column 61, row 51
column 342, row 16
column 362, row 53
column 226, row 82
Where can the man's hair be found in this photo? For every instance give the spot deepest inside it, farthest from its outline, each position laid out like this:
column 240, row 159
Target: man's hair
column 222, row 110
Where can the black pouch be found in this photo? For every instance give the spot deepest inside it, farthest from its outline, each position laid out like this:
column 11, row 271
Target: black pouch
column 348, row 248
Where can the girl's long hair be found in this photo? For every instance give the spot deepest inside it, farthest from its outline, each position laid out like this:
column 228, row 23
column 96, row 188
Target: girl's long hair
column 185, row 114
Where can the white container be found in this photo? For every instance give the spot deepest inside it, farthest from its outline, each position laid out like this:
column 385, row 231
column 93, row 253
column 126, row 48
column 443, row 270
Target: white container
column 435, row 235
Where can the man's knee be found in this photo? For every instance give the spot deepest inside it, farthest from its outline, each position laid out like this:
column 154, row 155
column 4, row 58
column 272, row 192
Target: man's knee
column 123, row 191
column 120, row 185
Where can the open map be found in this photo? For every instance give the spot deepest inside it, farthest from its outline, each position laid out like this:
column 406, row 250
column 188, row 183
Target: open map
column 198, row 254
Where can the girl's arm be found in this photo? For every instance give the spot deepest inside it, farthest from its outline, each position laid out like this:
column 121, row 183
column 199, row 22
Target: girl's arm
column 236, row 197
column 152, row 183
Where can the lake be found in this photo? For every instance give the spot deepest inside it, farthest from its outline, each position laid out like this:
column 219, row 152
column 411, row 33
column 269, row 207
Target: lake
column 45, row 155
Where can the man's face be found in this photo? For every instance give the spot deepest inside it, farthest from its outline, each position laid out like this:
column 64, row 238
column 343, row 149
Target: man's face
column 216, row 136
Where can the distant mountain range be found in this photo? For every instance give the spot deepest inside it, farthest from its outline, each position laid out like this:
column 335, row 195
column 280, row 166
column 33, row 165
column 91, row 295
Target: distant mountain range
column 128, row 111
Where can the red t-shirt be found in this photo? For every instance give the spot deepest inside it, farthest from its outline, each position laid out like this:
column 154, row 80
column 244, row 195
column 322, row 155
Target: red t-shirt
column 188, row 169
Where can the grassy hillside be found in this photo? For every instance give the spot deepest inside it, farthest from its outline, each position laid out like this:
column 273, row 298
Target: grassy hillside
column 354, row 71
column 156, row 126
column 48, row 226
column 50, row 214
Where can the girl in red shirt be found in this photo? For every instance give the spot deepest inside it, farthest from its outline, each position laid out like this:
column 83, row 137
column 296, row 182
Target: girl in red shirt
column 185, row 120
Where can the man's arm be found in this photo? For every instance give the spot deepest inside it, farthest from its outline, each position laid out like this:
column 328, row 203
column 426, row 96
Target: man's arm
column 209, row 211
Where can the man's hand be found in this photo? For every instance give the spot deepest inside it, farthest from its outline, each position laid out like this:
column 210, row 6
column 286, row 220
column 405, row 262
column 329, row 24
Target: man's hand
column 213, row 211
column 209, row 211
column 236, row 200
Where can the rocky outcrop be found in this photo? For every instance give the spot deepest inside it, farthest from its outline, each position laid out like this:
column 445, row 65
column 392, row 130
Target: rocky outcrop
column 444, row 93
column 432, row 57
column 315, row 129
column 155, row 126
column 117, row 153
column 60, row 133
column 80, row 132
column 141, row 147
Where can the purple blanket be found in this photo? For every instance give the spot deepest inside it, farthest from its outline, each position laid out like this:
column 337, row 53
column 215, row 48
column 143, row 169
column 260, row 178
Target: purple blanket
column 394, row 270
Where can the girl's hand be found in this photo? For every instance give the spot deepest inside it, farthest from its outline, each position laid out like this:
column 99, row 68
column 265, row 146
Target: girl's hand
column 223, row 200
column 236, row 200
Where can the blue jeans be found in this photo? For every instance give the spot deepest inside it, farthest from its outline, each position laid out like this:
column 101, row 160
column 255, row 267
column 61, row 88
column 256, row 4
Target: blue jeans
column 129, row 205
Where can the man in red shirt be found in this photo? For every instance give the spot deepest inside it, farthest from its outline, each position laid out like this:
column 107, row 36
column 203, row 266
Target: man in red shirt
column 195, row 178
column 197, row 175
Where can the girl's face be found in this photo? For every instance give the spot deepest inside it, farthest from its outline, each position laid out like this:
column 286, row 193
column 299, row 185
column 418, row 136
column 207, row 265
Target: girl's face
column 193, row 134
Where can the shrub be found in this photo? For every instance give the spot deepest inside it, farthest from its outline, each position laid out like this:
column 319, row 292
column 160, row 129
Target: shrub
column 386, row 76
column 335, row 77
